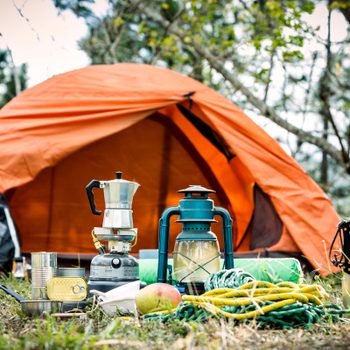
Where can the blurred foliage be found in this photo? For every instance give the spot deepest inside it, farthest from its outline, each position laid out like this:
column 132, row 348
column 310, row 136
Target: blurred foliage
column 261, row 28
column 8, row 76
column 79, row 7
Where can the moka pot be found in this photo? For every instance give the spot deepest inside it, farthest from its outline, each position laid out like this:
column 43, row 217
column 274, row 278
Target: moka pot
column 118, row 196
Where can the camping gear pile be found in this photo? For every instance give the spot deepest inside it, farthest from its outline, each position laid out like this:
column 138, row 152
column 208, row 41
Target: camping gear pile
column 54, row 289
column 58, row 284
column 113, row 269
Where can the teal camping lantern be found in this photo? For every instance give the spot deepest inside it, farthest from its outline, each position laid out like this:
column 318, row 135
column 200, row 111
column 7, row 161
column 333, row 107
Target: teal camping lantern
column 196, row 253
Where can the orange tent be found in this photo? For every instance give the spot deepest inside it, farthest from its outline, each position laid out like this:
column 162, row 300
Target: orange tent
column 166, row 131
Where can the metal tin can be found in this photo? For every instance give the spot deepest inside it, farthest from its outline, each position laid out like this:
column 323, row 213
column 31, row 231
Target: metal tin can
column 44, row 267
column 67, row 289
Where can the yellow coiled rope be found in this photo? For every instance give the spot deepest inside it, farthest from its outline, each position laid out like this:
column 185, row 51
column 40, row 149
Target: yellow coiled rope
column 258, row 293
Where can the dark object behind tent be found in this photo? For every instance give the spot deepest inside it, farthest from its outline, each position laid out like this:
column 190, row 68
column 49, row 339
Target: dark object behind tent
column 9, row 243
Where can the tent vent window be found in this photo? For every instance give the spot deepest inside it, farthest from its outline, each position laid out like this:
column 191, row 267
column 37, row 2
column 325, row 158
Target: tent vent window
column 213, row 136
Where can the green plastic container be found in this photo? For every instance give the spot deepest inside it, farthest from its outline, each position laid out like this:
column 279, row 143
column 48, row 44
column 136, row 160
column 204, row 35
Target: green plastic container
column 269, row 270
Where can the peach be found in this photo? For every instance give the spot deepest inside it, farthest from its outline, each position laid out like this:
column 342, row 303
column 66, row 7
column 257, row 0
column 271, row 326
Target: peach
column 157, row 297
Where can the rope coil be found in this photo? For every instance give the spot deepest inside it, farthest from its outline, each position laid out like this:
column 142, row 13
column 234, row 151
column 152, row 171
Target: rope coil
column 232, row 278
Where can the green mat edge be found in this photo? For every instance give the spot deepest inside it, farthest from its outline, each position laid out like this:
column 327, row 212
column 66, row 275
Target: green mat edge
column 264, row 269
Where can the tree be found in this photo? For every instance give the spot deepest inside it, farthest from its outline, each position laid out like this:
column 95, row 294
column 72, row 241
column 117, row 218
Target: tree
column 13, row 79
column 256, row 53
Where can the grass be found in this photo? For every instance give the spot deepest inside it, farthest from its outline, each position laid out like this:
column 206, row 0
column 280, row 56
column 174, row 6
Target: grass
column 99, row 331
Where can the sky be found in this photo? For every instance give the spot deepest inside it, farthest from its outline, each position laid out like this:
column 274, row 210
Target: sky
column 41, row 38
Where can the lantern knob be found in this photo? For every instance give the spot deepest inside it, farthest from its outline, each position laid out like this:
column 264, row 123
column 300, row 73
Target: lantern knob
column 196, row 189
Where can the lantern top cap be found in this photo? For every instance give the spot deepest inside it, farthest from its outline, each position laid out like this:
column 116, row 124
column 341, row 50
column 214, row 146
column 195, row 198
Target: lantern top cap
column 196, row 189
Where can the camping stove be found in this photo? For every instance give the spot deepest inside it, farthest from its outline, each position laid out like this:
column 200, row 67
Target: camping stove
column 116, row 267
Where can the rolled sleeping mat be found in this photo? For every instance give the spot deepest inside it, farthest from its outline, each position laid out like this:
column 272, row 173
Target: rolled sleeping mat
column 272, row 270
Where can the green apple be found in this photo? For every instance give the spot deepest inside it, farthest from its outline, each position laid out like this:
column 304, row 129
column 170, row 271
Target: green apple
column 157, row 297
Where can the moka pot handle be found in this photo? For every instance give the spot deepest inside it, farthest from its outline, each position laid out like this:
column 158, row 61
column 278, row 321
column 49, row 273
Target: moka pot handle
column 90, row 194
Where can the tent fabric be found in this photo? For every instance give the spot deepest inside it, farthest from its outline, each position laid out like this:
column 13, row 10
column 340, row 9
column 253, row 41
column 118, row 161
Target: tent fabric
column 59, row 135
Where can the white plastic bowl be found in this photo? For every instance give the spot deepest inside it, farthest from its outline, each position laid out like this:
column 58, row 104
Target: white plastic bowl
column 122, row 297
column 122, row 306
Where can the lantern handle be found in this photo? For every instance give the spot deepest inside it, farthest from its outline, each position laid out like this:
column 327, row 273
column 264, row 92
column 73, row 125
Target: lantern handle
column 163, row 238
column 227, row 233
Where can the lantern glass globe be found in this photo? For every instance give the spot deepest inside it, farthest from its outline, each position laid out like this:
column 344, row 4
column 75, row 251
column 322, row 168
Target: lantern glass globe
column 195, row 260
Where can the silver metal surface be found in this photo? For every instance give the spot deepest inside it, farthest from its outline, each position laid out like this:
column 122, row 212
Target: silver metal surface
column 42, row 273
column 128, row 232
column 41, row 276
column 43, row 259
column 119, row 247
column 103, row 231
column 71, row 272
column 109, row 234
column 44, row 267
column 119, row 193
column 118, row 218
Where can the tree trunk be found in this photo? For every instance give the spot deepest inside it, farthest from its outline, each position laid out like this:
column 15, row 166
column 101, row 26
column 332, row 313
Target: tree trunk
column 324, row 162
